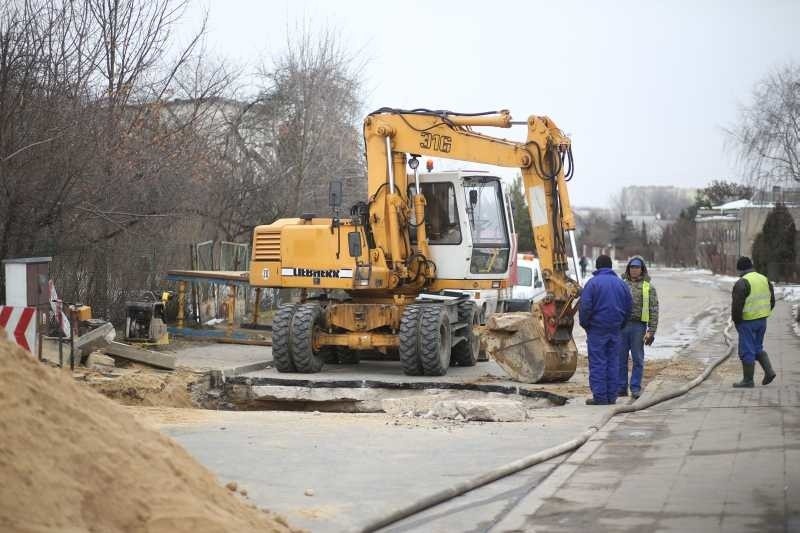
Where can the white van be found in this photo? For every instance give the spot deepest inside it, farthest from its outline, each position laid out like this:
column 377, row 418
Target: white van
column 527, row 285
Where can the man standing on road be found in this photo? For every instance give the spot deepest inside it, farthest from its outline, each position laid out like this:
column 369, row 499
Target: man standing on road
column 641, row 328
column 584, row 263
column 605, row 306
column 753, row 301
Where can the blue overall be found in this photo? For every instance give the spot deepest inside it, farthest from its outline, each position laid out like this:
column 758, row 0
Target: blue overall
column 603, row 366
column 751, row 338
column 633, row 342
column 605, row 305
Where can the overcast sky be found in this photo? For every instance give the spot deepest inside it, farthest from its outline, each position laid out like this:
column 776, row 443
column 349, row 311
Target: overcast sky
column 644, row 88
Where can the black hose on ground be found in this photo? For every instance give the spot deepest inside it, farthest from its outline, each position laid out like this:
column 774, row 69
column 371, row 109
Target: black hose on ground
column 544, row 455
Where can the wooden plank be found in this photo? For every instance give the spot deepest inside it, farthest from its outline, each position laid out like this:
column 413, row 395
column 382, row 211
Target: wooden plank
column 148, row 357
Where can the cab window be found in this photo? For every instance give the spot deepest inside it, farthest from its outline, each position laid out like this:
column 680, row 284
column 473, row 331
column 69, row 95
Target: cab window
column 441, row 213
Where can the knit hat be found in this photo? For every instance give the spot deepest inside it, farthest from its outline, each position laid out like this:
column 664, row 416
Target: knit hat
column 744, row 263
column 603, row 261
column 636, row 262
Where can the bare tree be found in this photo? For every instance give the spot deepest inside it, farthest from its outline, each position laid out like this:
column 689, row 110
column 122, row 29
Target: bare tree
column 767, row 136
column 300, row 131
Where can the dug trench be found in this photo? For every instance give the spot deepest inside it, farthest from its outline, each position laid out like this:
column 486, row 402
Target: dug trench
column 486, row 396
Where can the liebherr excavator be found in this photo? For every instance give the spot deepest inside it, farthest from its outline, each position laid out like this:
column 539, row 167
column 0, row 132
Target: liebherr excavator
column 399, row 260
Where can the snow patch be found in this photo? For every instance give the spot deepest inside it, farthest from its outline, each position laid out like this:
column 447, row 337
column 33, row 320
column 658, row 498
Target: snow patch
column 699, row 327
column 790, row 293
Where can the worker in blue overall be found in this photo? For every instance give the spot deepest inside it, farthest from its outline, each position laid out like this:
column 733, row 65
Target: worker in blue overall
column 605, row 307
column 753, row 298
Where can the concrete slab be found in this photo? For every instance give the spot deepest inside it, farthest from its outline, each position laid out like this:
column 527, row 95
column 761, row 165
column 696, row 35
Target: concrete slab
column 208, row 356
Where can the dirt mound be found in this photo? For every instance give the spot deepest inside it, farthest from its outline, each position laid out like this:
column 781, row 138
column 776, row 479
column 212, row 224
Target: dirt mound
column 71, row 459
column 146, row 388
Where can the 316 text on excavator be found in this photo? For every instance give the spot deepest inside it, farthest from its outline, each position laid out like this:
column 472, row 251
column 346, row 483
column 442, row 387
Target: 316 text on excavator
column 434, row 141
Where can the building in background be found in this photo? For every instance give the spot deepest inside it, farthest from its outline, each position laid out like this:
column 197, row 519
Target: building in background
column 728, row 231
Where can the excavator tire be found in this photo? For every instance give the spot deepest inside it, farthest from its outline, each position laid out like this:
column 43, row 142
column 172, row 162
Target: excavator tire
column 434, row 340
column 281, row 332
column 305, row 359
column 408, row 351
column 465, row 353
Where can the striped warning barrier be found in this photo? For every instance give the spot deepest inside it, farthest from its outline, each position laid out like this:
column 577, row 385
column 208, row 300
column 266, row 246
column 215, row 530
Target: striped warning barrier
column 20, row 325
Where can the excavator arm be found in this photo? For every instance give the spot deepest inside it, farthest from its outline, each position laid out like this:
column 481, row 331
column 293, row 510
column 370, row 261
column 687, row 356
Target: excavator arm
column 544, row 159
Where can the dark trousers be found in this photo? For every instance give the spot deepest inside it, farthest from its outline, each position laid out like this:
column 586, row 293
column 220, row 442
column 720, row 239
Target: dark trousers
column 603, row 365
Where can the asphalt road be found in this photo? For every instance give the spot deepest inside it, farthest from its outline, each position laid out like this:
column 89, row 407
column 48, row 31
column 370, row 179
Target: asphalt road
column 362, row 466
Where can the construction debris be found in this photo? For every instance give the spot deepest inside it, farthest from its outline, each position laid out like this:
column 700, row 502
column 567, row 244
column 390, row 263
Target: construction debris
column 140, row 355
column 96, row 339
column 97, row 359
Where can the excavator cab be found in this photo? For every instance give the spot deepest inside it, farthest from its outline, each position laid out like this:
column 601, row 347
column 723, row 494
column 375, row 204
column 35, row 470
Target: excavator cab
column 469, row 235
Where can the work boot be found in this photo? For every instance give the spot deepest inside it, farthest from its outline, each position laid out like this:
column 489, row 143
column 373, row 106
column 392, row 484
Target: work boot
column 747, row 380
column 766, row 366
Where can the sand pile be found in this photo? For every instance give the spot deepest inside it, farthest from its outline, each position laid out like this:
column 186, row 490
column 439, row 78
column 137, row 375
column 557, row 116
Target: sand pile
column 73, row 460
column 146, row 388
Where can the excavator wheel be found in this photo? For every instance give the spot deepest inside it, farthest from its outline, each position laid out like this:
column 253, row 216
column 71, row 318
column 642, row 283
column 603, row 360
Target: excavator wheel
column 306, row 318
column 434, row 340
column 465, row 353
column 281, row 333
column 408, row 350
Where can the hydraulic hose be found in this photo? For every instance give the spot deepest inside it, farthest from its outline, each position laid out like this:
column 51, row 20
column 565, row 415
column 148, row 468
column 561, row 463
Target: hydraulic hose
column 539, row 457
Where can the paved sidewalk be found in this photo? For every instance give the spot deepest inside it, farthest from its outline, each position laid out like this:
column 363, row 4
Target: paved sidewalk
column 717, row 459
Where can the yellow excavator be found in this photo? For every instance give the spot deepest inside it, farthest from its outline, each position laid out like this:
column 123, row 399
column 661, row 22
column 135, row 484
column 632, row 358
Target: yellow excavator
column 394, row 274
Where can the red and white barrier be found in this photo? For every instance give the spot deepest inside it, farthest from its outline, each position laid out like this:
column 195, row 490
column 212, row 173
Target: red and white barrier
column 20, row 325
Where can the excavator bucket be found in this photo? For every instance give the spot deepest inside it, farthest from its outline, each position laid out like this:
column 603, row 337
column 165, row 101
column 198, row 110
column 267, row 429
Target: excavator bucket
column 517, row 342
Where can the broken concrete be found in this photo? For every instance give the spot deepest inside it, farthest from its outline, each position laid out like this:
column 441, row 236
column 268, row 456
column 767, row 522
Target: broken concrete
column 97, row 359
column 432, row 403
column 156, row 359
column 96, row 339
column 455, row 408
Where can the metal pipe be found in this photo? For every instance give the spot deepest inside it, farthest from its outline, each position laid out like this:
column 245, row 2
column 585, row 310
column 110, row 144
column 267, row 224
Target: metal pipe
column 575, row 261
column 416, row 180
column 389, row 160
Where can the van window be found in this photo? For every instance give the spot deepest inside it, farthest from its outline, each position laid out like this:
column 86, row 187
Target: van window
column 524, row 276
